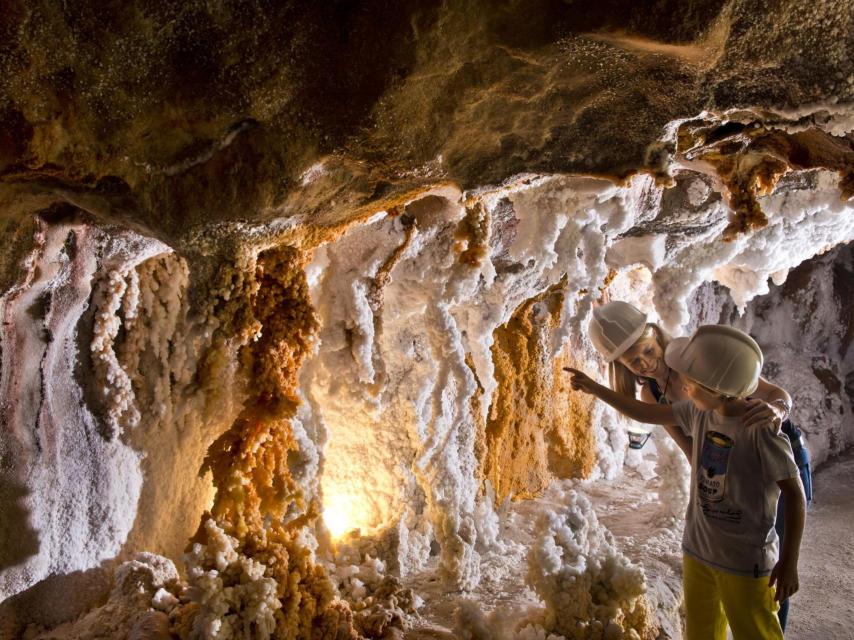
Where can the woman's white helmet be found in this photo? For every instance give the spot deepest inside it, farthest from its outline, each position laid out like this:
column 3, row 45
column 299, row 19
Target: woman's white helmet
column 719, row 357
column 615, row 327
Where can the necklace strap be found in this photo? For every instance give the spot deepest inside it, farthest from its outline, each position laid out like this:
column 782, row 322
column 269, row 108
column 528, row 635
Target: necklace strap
column 666, row 383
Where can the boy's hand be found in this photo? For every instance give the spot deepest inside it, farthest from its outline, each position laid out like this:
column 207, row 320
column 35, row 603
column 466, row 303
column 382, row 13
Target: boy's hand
column 580, row 381
column 785, row 576
column 762, row 414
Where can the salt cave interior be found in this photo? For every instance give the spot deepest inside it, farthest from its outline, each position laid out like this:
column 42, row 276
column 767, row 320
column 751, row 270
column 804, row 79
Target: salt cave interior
column 287, row 289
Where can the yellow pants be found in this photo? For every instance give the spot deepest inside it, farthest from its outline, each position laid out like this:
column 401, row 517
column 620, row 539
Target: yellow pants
column 713, row 598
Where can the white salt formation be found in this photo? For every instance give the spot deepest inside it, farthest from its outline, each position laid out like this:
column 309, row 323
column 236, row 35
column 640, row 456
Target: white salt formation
column 236, row 599
column 290, row 311
column 589, row 587
column 387, row 431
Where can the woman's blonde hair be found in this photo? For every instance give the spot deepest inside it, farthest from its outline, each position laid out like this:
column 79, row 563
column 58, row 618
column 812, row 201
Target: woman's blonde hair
column 624, row 381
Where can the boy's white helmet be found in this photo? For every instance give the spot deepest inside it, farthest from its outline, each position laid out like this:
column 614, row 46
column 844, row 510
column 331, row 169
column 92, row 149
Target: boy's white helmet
column 719, row 357
column 615, row 327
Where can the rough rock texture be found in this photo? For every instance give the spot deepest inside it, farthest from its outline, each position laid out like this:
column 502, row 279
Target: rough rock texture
column 258, row 258
column 175, row 115
column 128, row 611
column 537, row 430
column 805, row 327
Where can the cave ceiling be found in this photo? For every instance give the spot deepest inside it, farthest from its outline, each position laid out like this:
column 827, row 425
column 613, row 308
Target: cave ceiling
column 173, row 117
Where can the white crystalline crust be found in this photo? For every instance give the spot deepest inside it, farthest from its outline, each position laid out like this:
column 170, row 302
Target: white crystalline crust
column 121, row 290
column 434, row 311
column 84, row 481
column 138, row 585
column 587, row 584
column 81, row 489
column 237, row 599
column 584, row 586
column 389, row 382
column 387, row 433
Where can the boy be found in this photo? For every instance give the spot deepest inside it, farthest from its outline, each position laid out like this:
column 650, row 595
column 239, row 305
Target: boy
column 738, row 473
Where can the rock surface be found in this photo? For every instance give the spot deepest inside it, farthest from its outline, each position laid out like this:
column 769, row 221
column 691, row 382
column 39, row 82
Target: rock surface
column 271, row 262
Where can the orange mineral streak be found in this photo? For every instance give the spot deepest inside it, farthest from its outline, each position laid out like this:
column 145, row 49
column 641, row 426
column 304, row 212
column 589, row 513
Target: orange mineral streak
column 750, row 159
column 537, row 429
column 249, row 462
column 472, row 235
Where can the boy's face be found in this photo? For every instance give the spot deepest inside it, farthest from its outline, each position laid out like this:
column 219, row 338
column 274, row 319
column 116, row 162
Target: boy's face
column 702, row 398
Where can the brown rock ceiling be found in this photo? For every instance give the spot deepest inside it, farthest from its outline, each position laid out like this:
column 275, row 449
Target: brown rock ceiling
column 166, row 115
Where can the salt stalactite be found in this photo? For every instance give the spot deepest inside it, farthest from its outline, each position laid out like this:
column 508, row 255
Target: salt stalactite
column 251, row 574
column 115, row 386
column 786, row 218
column 749, row 158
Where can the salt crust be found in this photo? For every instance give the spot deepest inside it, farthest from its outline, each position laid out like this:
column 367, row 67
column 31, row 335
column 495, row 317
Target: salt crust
column 128, row 612
column 559, row 226
column 589, row 587
column 237, row 598
column 83, row 489
column 389, row 393
column 586, row 587
column 121, row 290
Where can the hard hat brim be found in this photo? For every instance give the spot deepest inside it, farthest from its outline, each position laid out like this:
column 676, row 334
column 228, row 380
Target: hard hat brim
column 624, row 346
column 674, row 357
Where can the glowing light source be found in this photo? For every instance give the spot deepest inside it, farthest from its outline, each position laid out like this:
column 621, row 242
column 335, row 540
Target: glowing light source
column 336, row 522
column 344, row 512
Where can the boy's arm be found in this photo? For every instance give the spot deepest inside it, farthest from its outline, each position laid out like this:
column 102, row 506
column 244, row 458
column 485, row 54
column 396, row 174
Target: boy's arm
column 785, row 572
column 634, row 409
column 684, row 442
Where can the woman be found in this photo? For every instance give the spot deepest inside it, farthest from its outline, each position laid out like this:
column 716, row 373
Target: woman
column 634, row 350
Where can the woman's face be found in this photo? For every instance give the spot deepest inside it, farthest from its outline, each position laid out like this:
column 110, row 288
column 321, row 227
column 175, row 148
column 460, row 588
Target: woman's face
column 645, row 358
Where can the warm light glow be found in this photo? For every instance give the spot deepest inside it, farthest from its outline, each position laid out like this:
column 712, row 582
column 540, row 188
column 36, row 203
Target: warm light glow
column 344, row 512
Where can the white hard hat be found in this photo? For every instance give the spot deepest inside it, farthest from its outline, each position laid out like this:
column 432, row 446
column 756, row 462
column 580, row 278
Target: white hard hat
column 615, row 327
column 719, row 357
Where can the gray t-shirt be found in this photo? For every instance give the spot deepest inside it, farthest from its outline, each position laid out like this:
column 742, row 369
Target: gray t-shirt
column 734, row 492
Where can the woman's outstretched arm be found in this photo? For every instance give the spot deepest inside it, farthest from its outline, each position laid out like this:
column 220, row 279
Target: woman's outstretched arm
column 685, row 443
column 634, row 409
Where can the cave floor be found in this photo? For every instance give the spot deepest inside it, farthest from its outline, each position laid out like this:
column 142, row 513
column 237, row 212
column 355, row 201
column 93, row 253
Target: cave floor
column 824, row 606
column 627, row 506
column 823, row 609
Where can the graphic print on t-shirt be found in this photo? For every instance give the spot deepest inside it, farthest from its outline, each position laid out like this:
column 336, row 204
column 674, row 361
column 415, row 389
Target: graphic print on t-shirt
column 711, row 477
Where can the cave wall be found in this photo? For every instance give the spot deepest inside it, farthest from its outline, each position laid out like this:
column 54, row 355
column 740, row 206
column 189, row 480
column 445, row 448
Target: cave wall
column 267, row 261
column 803, row 325
column 430, row 391
column 171, row 117
column 537, row 429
